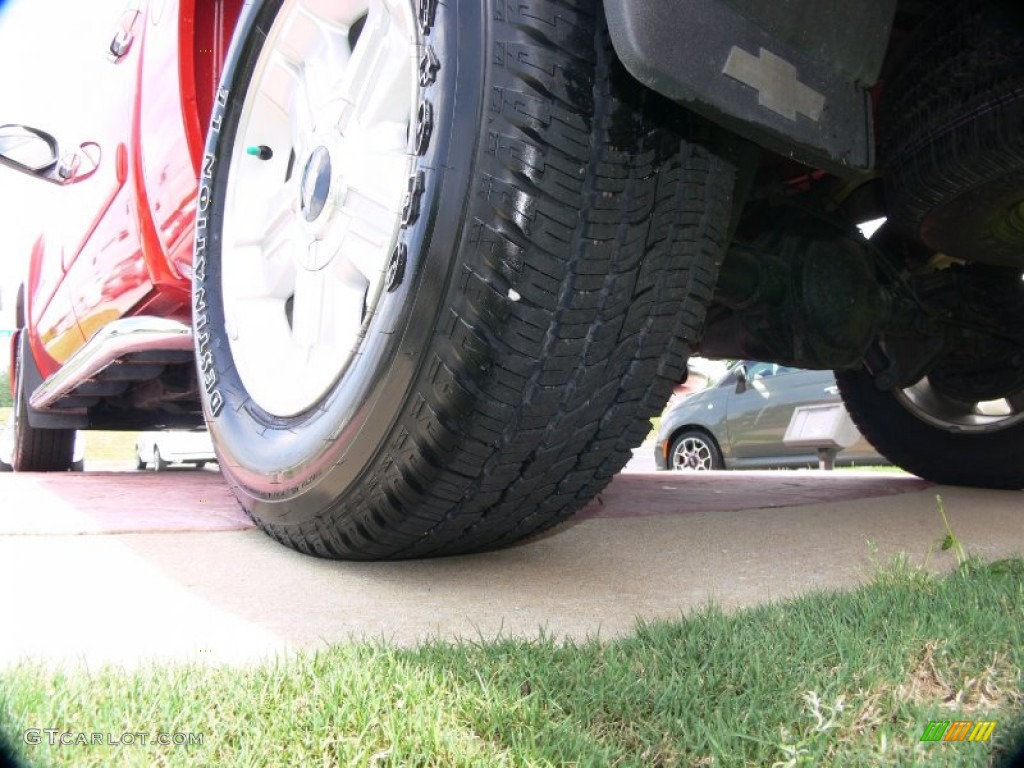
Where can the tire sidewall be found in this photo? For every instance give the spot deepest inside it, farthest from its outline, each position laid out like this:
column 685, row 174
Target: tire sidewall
column 275, row 462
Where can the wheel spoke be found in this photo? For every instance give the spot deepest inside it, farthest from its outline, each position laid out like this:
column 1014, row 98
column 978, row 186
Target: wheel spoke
column 375, row 86
column 327, row 308
column 354, row 260
column 384, row 97
column 365, row 225
column 316, row 93
column 374, row 171
column 359, row 261
column 254, row 275
column 309, row 307
column 302, row 115
column 282, row 228
column 283, row 78
column 312, row 45
column 264, row 265
column 341, row 15
column 264, row 321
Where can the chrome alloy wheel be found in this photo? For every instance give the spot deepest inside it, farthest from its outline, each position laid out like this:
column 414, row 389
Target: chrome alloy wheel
column 318, row 173
column 939, row 410
column 692, row 455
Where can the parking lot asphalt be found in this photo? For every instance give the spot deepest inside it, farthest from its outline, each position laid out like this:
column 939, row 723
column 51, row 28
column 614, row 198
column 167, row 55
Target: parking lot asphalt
column 125, row 567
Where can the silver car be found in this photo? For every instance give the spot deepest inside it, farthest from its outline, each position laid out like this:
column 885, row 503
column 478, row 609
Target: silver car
column 740, row 422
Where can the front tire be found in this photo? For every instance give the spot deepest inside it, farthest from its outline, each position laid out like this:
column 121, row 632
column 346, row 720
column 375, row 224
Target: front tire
column 937, row 437
column 538, row 247
column 695, row 451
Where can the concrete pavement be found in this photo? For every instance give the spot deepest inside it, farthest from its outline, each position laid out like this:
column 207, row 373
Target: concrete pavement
column 126, row 567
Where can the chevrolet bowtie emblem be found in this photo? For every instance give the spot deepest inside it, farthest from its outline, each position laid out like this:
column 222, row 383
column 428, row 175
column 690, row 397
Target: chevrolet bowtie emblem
column 777, row 83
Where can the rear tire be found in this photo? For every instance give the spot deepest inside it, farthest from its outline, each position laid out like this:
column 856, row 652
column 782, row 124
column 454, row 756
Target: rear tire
column 36, row 450
column 908, row 428
column 546, row 275
column 953, row 133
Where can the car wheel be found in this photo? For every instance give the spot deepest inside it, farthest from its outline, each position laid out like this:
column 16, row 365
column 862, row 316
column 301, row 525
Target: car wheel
column 36, row 450
column 140, row 463
column 938, row 437
column 159, row 465
column 200, row 464
column 695, row 452
column 448, row 261
column 78, row 466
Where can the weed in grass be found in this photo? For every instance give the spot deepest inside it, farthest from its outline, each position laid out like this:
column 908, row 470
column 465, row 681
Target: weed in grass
column 903, row 570
column 950, row 540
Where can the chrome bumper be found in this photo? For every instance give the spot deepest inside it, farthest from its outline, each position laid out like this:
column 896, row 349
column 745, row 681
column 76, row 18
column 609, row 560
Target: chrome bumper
column 111, row 343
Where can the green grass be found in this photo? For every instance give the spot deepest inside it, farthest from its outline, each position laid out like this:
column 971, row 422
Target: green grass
column 110, row 448
column 884, row 468
column 846, row 679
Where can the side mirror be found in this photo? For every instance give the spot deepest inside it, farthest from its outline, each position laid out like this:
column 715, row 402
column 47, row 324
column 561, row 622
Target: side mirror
column 740, row 372
column 27, row 149
column 37, row 154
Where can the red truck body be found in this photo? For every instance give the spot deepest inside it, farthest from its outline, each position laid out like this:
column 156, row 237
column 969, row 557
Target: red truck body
column 125, row 244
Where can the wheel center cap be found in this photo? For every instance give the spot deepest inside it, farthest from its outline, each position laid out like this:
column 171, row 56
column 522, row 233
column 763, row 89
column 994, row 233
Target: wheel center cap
column 316, row 183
